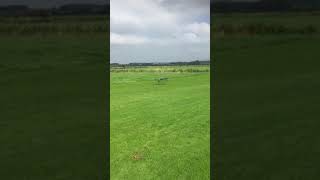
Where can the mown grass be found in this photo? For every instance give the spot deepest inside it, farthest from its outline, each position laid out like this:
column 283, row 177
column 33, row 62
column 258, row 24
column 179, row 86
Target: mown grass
column 265, row 119
column 160, row 130
column 53, row 106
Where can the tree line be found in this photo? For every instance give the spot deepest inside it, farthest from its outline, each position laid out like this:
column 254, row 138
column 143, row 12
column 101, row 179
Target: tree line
column 197, row 62
column 68, row 9
column 264, row 6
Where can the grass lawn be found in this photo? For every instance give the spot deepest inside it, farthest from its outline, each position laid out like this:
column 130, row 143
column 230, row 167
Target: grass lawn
column 53, row 107
column 160, row 131
column 266, row 94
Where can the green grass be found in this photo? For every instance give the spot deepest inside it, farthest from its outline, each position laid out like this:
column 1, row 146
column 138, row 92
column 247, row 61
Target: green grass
column 54, row 25
column 265, row 23
column 53, row 107
column 293, row 19
column 160, row 131
column 266, row 105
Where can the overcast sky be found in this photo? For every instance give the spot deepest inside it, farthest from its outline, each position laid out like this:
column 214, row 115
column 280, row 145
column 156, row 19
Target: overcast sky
column 159, row 30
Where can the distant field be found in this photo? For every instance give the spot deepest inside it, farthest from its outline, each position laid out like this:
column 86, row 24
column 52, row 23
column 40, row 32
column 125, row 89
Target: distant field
column 265, row 23
column 286, row 19
column 159, row 69
column 266, row 94
column 53, row 103
column 54, row 25
column 160, row 130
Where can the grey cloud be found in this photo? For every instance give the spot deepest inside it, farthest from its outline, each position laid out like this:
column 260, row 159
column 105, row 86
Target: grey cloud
column 159, row 30
column 188, row 6
column 187, row 3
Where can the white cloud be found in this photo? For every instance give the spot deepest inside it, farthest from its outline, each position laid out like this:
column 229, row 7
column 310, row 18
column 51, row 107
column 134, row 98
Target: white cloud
column 201, row 29
column 127, row 39
column 162, row 24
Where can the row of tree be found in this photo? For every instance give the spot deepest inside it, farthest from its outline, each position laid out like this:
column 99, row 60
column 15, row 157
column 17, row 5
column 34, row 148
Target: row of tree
column 264, row 6
column 197, row 62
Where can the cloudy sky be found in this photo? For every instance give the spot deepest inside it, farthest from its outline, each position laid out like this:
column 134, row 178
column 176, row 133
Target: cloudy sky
column 159, row 30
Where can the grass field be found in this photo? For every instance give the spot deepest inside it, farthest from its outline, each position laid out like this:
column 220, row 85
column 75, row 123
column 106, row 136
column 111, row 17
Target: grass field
column 53, row 105
column 160, row 130
column 54, row 25
column 265, row 122
column 266, row 95
column 265, row 23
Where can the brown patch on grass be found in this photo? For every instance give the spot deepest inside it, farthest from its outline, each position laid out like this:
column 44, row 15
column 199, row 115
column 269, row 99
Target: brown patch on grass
column 136, row 156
